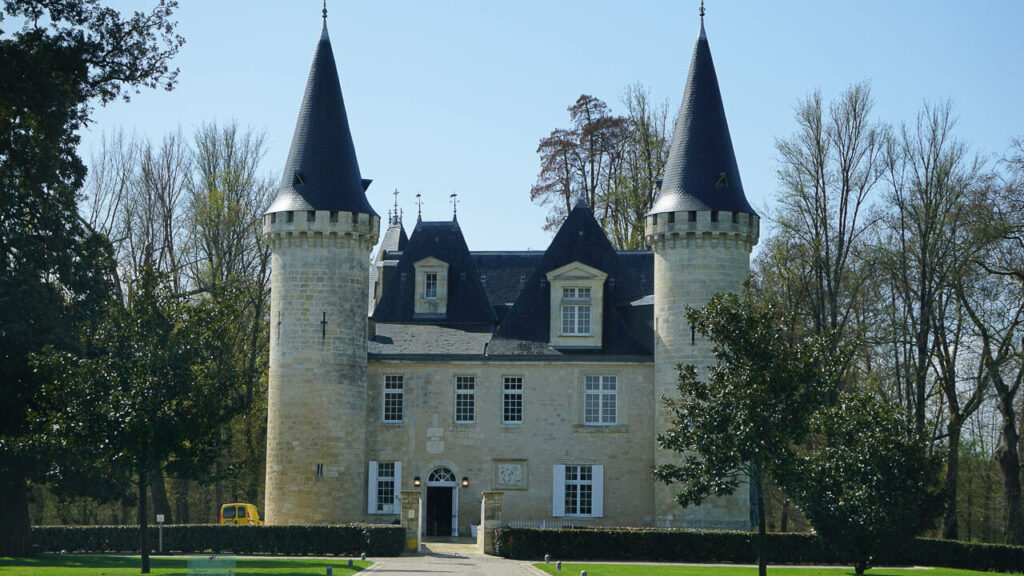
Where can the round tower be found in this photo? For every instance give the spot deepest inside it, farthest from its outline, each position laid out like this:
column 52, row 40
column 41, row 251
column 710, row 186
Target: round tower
column 320, row 229
column 701, row 229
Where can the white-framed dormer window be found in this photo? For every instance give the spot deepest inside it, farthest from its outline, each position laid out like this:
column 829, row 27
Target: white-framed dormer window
column 383, row 487
column 394, row 392
column 578, row 490
column 577, row 301
column 576, row 311
column 430, row 286
column 465, row 399
column 512, row 400
column 600, row 400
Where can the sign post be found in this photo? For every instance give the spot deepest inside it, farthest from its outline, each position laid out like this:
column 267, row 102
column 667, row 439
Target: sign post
column 160, row 531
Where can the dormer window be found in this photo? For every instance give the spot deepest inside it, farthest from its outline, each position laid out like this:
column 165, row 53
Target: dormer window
column 577, row 297
column 576, row 311
column 430, row 286
column 431, row 291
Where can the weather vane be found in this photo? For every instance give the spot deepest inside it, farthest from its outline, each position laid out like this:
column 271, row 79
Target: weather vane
column 701, row 9
column 455, row 204
column 419, row 207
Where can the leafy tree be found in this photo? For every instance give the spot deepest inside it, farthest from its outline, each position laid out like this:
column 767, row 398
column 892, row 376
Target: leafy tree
column 64, row 56
column 153, row 393
column 743, row 419
column 612, row 162
column 867, row 480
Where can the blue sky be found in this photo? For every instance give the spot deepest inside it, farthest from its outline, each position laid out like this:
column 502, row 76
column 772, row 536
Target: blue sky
column 453, row 95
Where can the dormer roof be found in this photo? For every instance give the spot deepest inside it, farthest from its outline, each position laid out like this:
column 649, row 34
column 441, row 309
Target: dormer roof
column 322, row 172
column 701, row 171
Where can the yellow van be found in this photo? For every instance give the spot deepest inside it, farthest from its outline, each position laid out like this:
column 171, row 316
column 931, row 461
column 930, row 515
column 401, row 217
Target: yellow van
column 238, row 513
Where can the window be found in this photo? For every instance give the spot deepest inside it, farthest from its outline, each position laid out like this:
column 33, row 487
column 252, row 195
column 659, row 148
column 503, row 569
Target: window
column 310, row 215
column 383, row 487
column 465, row 399
column 430, row 286
column 512, row 400
column 576, row 311
column 393, row 391
column 599, row 400
column 578, row 490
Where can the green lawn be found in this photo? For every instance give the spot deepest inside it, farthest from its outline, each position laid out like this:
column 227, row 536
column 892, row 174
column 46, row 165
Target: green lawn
column 86, row 565
column 649, row 570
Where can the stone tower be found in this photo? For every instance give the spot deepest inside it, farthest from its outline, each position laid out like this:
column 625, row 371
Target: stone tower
column 320, row 229
column 701, row 230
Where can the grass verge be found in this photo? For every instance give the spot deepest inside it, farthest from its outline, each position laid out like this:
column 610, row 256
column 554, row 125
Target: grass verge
column 90, row 565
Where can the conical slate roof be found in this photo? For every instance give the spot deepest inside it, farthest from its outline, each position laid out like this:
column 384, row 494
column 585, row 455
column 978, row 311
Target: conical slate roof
column 701, row 172
column 322, row 172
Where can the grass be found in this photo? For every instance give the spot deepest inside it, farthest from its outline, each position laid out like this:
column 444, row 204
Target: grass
column 89, row 565
column 662, row 570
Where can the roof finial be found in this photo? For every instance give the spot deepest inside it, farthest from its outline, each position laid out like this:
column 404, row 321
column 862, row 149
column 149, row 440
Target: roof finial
column 419, row 208
column 395, row 218
column 455, row 205
column 325, row 11
column 701, row 10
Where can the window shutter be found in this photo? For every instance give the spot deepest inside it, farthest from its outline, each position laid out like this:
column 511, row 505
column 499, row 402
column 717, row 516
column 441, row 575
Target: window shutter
column 558, row 491
column 398, row 488
column 371, row 489
column 598, row 495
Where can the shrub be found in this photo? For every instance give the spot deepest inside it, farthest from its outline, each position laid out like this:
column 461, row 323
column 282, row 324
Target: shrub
column 648, row 544
column 342, row 540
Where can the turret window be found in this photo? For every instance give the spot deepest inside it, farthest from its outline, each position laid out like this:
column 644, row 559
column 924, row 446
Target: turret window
column 310, row 215
column 714, row 215
column 334, row 216
column 691, row 216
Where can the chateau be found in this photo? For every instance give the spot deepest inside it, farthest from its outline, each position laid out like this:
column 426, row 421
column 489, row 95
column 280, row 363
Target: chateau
column 534, row 374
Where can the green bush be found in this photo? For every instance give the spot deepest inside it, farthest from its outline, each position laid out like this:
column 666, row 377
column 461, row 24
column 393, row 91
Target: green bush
column 647, row 544
column 344, row 540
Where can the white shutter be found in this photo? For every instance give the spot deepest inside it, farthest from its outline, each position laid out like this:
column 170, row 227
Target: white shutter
column 597, row 507
column 398, row 488
column 371, row 489
column 558, row 491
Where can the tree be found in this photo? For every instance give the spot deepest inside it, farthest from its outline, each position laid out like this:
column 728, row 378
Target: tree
column 66, row 55
column 827, row 172
column 153, row 393
column 867, row 480
column 612, row 162
column 753, row 407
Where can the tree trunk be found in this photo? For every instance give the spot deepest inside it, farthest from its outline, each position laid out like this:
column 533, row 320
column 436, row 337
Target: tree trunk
column 950, row 527
column 159, row 494
column 181, row 501
column 143, row 524
column 762, row 539
column 1009, row 462
column 15, row 530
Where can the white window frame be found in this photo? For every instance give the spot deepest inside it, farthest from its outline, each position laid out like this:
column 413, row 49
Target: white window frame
column 377, row 483
column 430, row 285
column 512, row 388
column 465, row 398
column 393, row 390
column 600, row 400
column 567, row 481
column 577, row 316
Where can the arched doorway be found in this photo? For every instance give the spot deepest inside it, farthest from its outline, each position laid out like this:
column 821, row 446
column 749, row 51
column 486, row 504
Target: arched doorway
column 442, row 517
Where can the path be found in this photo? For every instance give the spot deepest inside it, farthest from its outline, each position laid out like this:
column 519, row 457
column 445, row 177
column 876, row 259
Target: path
column 452, row 556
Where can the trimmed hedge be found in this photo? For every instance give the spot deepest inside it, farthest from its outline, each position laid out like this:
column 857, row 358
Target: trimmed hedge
column 647, row 544
column 341, row 540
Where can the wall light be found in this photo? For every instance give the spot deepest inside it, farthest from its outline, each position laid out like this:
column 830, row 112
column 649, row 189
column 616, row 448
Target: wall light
column 416, row 481
column 465, row 481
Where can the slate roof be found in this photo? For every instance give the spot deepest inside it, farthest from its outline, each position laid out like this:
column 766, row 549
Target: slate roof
column 322, row 172
column 580, row 239
column 701, row 171
column 502, row 299
column 467, row 301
